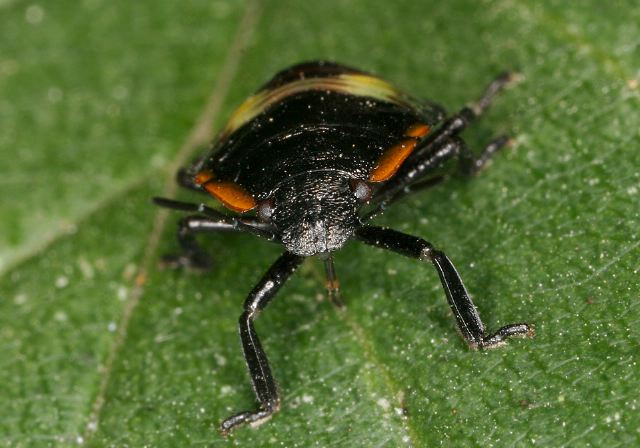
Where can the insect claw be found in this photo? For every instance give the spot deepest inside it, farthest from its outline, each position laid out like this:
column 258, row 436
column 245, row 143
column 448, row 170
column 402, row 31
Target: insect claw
column 499, row 338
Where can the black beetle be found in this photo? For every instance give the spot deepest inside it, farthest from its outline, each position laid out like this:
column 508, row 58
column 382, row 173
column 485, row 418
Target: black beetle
column 306, row 162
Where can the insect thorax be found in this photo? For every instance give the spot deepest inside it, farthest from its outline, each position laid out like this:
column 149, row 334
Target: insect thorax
column 315, row 212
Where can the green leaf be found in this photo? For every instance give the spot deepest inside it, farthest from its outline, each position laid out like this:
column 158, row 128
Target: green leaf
column 102, row 101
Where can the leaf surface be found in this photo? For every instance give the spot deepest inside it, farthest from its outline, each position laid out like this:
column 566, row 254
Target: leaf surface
column 102, row 102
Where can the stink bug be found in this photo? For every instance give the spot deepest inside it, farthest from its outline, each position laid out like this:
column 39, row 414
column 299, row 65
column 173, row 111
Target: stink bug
column 307, row 162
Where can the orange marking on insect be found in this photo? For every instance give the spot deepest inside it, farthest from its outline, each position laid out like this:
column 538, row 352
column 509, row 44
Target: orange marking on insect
column 232, row 195
column 203, row 177
column 391, row 160
column 418, row 130
column 333, row 284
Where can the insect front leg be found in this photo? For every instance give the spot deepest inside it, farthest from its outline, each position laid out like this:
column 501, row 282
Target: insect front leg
column 467, row 317
column 209, row 221
column 263, row 384
column 192, row 255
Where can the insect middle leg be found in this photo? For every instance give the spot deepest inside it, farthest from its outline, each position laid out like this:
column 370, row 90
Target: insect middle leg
column 414, row 174
column 257, row 363
column 333, row 284
column 467, row 317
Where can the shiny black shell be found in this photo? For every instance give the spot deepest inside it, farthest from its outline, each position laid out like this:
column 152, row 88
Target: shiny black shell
column 314, row 116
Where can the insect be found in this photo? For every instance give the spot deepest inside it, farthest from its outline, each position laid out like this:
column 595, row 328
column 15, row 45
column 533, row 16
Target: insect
column 307, row 162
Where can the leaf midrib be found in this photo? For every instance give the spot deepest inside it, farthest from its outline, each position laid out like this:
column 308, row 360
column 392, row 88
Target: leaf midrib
column 201, row 133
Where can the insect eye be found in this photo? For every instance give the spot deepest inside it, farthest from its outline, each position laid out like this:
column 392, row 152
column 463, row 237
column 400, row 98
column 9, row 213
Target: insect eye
column 360, row 189
column 265, row 210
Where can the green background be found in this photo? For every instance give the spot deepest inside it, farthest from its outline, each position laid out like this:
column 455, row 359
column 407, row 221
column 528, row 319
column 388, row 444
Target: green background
column 101, row 101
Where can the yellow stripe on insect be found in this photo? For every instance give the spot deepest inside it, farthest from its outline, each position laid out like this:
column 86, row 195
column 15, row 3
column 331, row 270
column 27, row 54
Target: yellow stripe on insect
column 353, row 84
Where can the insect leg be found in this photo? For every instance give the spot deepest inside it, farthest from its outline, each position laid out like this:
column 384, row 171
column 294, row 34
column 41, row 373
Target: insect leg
column 184, row 178
column 263, row 384
column 417, row 168
column 458, row 122
column 333, row 285
column 443, row 143
column 467, row 317
column 413, row 175
column 193, row 256
column 212, row 221
column 470, row 164
column 192, row 208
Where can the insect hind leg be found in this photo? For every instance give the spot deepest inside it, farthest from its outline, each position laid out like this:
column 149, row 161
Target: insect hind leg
column 441, row 146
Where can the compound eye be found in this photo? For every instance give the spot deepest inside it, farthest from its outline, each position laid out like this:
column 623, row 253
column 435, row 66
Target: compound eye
column 265, row 210
column 361, row 189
